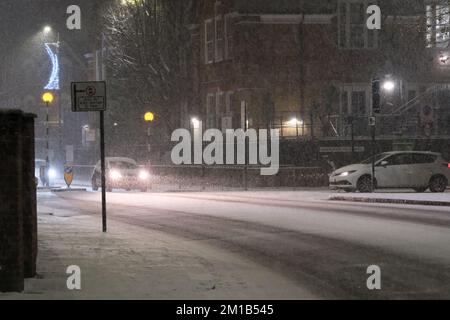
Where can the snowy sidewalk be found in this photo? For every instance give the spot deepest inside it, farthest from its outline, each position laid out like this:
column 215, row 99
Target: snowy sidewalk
column 396, row 197
column 131, row 262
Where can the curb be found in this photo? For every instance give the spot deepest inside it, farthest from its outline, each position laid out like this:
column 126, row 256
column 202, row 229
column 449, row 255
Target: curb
column 68, row 190
column 394, row 201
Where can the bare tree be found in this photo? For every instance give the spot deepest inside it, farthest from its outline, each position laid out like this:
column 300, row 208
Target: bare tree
column 149, row 55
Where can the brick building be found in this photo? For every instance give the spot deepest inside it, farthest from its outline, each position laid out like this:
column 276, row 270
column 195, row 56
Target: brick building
column 305, row 67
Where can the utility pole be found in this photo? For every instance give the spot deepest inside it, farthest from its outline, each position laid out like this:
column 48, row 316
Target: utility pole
column 351, row 121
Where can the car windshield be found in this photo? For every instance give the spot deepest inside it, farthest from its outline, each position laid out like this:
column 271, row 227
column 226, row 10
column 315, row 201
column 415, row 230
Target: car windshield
column 122, row 165
column 377, row 158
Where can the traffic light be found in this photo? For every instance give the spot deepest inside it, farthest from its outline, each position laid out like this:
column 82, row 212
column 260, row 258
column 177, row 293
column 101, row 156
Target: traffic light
column 376, row 96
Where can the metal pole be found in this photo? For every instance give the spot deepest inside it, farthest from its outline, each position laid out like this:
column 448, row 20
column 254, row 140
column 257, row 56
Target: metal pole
column 47, row 157
column 353, row 138
column 102, row 160
column 246, row 147
column 148, row 138
column 373, row 158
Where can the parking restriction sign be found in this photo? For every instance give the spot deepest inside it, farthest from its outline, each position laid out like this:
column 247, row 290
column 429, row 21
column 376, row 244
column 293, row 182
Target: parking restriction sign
column 88, row 96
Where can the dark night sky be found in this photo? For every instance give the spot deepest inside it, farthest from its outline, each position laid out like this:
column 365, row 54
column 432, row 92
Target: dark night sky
column 22, row 19
column 23, row 60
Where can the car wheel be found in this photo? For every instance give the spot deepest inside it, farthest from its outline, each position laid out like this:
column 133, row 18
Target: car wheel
column 349, row 190
column 364, row 184
column 438, row 184
column 420, row 189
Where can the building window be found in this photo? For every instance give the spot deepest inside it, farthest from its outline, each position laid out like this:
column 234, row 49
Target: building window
column 228, row 37
column 220, row 41
column 355, row 99
column 438, row 23
column 219, row 38
column 353, row 32
column 358, row 103
column 209, row 41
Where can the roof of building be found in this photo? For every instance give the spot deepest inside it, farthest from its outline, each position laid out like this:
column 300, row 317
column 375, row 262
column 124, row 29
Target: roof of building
column 389, row 7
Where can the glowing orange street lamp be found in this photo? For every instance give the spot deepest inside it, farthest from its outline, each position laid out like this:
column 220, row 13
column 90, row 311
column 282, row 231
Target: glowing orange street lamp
column 48, row 97
column 149, row 117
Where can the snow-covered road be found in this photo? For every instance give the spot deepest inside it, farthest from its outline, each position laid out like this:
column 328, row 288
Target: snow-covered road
column 267, row 244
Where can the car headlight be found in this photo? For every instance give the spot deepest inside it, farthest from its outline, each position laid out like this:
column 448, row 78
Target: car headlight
column 346, row 173
column 143, row 175
column 51, row 173
column 115, row 175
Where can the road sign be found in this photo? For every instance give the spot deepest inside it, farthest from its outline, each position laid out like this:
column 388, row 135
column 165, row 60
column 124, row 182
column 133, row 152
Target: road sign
column 88, row 96
column 68, row 175
column 372, row 121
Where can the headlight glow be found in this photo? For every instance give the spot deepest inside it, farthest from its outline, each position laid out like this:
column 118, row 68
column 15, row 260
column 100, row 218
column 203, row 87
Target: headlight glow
column 143, row 175
column 115, row 175
column 347, row 173
column 51, row 173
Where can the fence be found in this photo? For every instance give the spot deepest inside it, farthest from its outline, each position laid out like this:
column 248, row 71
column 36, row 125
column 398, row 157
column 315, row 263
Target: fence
column 197, row 177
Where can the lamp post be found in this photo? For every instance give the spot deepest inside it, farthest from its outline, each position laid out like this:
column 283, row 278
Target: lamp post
column 47, row 98
column 149, row 117
column 388, row 86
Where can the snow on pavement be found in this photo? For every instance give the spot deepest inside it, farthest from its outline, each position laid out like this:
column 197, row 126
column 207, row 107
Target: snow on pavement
column 306, row 212
column 129, row 262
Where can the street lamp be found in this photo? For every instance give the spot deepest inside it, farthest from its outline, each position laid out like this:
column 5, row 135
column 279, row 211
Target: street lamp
column 47, row 98
column 389, row 85
column 295, row 123
column 47, row 29
column 149, row 117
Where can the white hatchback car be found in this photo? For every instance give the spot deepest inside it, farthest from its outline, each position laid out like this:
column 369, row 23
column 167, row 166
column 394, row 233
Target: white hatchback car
column 121, row 173
column 397, row 169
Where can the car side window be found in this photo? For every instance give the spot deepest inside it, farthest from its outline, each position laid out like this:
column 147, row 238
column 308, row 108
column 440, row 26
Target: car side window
column 400, row 159
column 423, row 158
